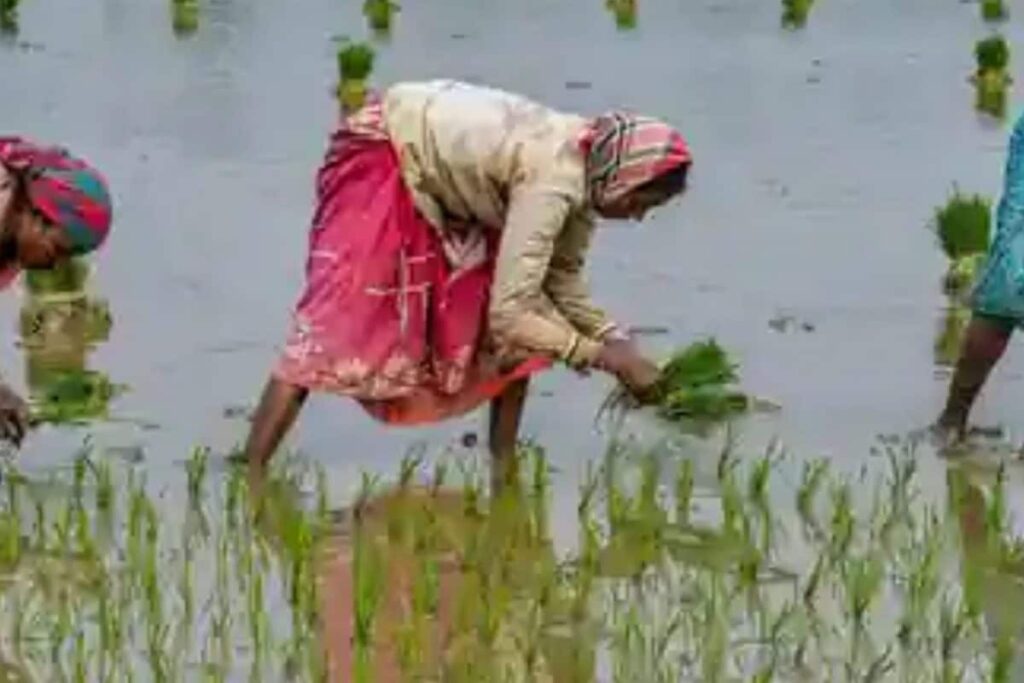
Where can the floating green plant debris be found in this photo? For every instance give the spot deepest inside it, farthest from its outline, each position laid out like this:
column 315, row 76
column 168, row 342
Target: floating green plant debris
column 184, row 17
column 795, row 12
column 994, row 10
column 624, row 12
column 379, row 15
column 355, row 63
column 963, row 227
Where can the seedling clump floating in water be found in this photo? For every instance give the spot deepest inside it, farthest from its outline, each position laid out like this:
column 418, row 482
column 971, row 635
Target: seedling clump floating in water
column 963, row 227
column 355, row 63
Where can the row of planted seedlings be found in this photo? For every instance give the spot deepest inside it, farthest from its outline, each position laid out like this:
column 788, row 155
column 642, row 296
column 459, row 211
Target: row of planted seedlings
column 355, row 59
column 794, row 13
column 992, row 61
column 850, row 587
column 963, row 231
column 664, row 587
column 683, row 570
column 98, row 583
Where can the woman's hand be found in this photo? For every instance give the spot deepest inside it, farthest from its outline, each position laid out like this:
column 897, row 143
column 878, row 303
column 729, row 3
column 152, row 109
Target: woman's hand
column 621, row 358
column 14, row 416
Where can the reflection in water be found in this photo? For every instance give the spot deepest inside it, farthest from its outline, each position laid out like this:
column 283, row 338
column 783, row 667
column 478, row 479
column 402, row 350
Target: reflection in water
column 992, row 563
column 990, row 93
column 951, row 334
column 60, row 325
column 672, row 578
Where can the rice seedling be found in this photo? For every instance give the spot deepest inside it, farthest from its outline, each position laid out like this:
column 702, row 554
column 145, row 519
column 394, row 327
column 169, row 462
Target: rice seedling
column 991, row 92
column 9, row 16
column 991, row 80
column 994, row 10
column 659, row 587
column 355, row 63
column 624, row 13
column 696, row 383
column 795, row 13
column 963, row 225
column 184, row 17
column 379, row 15
column 963, row 228
column 70, row 276
column 992, row 54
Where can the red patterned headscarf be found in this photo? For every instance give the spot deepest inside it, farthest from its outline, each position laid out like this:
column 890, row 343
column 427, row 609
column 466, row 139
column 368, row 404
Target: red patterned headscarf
column 624, row 151
column 68, row 192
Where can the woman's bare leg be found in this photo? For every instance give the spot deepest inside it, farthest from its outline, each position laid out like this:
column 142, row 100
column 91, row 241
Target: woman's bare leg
column 279, row 406
column 506, row 414
column 984, row 343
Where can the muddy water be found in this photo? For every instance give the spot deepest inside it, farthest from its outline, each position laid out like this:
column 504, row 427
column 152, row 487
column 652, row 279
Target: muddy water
column 820, row 156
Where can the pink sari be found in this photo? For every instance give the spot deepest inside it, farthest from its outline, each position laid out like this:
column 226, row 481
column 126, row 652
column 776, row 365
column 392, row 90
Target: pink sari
column 384, row 317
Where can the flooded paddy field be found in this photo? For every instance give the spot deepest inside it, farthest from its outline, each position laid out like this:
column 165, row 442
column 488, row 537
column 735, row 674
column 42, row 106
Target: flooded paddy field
column 803, row 246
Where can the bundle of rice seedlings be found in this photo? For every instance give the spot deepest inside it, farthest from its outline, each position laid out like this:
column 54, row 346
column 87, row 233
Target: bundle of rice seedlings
column 794, row 13
column 355, row 63
column 992, row 54
column 69, row 276
column 963, row 227
column 624, row 12
column 697, row 382
column 9, row 16
column 994, row 10
column 184, row 17
column 379, row 14
column 73, row 396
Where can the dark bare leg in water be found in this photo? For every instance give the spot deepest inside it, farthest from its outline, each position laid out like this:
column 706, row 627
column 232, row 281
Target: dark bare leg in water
column 503, row 435
column 279, row 406
column 984, row 343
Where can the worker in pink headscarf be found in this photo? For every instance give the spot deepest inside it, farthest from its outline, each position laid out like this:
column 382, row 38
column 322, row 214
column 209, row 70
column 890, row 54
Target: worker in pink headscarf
column 52, row 206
